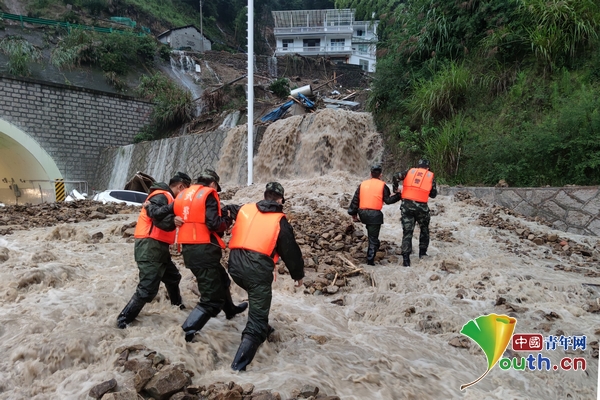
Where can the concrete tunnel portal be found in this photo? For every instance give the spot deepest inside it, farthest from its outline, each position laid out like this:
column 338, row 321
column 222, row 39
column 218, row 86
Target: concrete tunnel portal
column 27, row 172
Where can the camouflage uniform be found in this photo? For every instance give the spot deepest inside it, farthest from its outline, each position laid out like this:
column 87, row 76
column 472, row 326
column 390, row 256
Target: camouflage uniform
column 414, row 211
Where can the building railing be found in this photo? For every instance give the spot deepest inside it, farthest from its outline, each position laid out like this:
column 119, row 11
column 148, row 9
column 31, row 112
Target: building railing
column 313, row 29
column 315, row 49
column 67, row 25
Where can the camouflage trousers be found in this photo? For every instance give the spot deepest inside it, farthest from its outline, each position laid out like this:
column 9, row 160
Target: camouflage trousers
column 413, row 212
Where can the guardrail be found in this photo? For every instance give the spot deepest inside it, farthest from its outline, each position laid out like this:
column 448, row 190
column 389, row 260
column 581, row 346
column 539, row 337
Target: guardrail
column 67, row 25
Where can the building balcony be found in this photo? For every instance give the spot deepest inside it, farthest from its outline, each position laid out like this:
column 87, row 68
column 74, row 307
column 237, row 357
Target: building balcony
column 303, row 30
column 315, row 50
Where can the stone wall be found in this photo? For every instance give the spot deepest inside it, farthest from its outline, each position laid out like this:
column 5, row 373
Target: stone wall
column 162, row 158
column 72, row 124
column 573, row 209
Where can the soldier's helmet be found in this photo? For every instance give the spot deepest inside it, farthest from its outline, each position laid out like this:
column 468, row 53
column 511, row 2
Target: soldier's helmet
column 181, row 177
column 423, row 163
column 376, row 168
column 276, row 187
column 208, row 175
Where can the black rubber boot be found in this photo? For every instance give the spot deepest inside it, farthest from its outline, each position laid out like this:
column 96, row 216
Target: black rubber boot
column 406, row 258
column 230, row 309
column 175, row 296
column 195, row 322
column 371, row 254
column 245, row 353
column 422, row 253
column 131, row 310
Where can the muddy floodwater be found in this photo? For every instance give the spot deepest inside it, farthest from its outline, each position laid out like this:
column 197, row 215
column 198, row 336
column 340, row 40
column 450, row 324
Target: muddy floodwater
column 61, row 291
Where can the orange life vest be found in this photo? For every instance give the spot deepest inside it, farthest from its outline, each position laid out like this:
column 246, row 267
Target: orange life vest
column 256, row 231
column 190, row 205
column 417, row 185
column 146, row 229
column 371, row 194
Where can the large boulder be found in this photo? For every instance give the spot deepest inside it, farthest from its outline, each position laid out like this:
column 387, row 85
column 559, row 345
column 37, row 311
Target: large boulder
column 167, row 381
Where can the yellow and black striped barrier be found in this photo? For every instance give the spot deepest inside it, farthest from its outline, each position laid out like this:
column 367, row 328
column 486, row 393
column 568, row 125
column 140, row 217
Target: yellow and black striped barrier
column 59, row 189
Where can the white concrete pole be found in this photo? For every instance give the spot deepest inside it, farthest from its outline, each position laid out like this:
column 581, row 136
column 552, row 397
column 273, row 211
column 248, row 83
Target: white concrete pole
column 250, row 88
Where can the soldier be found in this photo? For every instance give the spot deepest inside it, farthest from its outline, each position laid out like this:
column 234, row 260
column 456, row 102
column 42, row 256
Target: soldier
column 418, row 185
column 154, row 232
column 261, row 235
column 367, row 204
column 200, row 235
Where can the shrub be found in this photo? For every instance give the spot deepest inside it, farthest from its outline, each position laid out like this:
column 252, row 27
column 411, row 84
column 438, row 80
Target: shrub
column 442, row 96
column 280, row 87
column 20, row 54
column 174, row 105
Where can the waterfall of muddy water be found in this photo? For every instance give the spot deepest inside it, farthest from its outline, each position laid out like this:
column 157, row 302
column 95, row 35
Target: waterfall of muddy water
column 185, row 71
column 304, row 146
column 232, row 165
column 272, row 66
column 119, row 177
column 60, row 294
column 212, row 71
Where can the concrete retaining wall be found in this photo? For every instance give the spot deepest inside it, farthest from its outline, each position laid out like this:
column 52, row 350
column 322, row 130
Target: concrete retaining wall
column 572, row 209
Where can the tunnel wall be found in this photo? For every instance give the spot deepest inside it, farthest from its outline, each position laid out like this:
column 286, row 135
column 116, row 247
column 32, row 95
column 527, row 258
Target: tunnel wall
column 71, row 124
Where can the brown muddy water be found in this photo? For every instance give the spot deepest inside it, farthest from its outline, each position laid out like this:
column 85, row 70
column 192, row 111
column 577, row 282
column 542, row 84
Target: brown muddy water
column 61, row 291
column 60, row 294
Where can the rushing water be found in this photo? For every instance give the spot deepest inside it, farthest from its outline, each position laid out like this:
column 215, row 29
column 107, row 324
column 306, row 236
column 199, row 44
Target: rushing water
column 60, row 294
column 119, row 177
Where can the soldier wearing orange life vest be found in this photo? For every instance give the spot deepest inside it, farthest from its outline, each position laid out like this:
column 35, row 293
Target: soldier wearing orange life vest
column 260, row 236
column 367, row 204
column 204, row 223
column 154, row 232
column 418, row 186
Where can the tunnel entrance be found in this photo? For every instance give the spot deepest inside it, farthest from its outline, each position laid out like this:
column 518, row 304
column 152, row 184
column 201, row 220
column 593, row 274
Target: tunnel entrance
column 27, row 171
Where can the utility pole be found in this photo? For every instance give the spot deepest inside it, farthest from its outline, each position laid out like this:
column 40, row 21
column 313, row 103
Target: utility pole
column 250, row 88
column 201, row 32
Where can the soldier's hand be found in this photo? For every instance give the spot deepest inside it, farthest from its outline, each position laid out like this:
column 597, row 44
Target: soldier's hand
column 355, row 218
column 146, row 204
column 179, row 221
column 298, row 283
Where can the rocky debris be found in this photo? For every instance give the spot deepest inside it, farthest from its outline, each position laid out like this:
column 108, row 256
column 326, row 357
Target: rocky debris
column 332, row 247
column 99, row 390
column 461, row 342
column 128, row 230
column 444, row 235
column 18, row 217
column 168, row 381
column 451, row 267
column 497, row 218
column 156, row 378
column 3, row 254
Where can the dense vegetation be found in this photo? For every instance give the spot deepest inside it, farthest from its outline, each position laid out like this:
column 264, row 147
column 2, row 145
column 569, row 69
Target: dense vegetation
column 492, row 90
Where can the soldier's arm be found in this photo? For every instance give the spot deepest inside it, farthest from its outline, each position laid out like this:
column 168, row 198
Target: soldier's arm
column 289, row 251
column 388, row 198
column 397, row 178
column 353, row 209
column 161, row 212
column 231, row 210
column 214, row 221
column 433, row 193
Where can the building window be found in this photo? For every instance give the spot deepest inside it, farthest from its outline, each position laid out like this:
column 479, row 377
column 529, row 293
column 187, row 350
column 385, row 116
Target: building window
column 337, row 44
column 360, row 32
column 363, row 48
column 311, row 44
column 287, row 44
column 364, row 64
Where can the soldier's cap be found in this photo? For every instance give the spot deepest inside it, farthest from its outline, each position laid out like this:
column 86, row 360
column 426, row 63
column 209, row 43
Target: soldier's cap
column 423, row 163
column 376, row 168
column 181, row 177
column 208, row 175
column 276, row 187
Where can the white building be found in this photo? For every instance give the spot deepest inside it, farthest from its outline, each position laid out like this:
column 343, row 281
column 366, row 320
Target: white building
column 331, row 33
column 185, row 38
